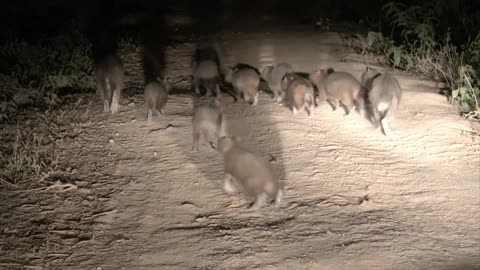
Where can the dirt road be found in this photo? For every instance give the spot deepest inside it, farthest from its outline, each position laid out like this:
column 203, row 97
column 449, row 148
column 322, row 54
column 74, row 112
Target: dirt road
column 353, row 198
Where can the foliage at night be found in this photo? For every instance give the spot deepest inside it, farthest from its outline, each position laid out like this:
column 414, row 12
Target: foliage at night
column 59, row 62
column 420, row 41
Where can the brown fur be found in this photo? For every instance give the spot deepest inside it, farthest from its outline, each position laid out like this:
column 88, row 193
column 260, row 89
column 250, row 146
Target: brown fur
column 156, row 96
column 337, row 88
column 384, row 95
column 207, row 122
column 273, row 75
column 248, row 170
column 299, row 93
column 245, row 81
column 110, row 80
column 206, row 75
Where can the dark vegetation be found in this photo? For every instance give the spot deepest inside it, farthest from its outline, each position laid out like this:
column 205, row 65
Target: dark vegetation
column 437, row 39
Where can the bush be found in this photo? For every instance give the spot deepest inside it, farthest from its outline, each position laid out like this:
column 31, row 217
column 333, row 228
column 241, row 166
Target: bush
column 36, row 71
column 32, row 152
column 418, row 44
column 8, row 87
column 27, row 158
column 63, row 61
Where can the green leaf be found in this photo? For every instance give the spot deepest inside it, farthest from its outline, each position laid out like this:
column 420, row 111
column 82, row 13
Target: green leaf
column 463, row 91
column 397, row 55
column 410, row 63
column 455, row 93
column 374, row 37
column 476, row 90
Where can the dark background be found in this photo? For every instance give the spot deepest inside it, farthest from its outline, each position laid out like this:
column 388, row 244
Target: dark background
column 103, row 22
column 34, row 19
column 31, row 20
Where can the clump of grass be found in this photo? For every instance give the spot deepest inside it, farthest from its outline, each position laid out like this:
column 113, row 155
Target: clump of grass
column 8, row 87
column 32, row 150
column 27, row 163
column 421, row 42
column 46, row 66
column 27, row 157
column 54, row 63
column 35, row 73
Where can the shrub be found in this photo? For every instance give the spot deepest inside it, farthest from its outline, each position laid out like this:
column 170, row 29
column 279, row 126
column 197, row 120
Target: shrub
column 27, row 157
column 423, row 48
column 29, row 150
column 63, row 61
column 33, row 150
column 8, row 86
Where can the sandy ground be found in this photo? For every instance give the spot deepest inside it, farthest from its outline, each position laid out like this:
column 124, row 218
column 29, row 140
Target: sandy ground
column 353, row 198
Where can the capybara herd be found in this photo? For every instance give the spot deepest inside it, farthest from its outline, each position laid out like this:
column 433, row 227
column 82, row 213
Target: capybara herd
column 377, row 94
